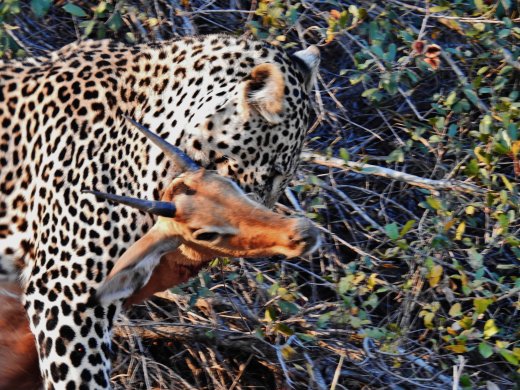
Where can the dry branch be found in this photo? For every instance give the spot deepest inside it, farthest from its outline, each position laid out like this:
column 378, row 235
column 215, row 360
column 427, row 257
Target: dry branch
column 223, row 338
column 368, row 169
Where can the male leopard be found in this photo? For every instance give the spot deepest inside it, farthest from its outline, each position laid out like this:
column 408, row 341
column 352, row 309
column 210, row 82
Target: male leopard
column 234, row 105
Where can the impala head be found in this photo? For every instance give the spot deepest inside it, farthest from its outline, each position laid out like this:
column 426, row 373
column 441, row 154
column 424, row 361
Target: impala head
column 210, row 216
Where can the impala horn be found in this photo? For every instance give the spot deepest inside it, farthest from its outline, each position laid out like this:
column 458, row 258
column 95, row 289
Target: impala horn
column 181, row 159
column 163, row 209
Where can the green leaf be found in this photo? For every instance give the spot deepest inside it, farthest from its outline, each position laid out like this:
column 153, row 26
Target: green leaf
column 115, row 22
column 434, row 203
column 509, row 356
column 479, row 26
column 306, row 337
column 461, row 106
column 451, row 98
column 406, row 228
column 270, row 314
column 479, row 4
column 485, row 124
column 40, row 7
column 396, row 156
column 471, row 95
column 412, row 76
column 288, row 307
column 392, row 52
column 435, row 274
column 476, row 259
column 481, row 304
column 392, row 231
column 378, row 50
column 483, row 70
column 88, row 27
column 439, row 8
column 485, row 349
column 292, row 14
column 232, row 276
column 101, row 8
column 357, row 322
column 345, row 284
column 357, row 78
column 373, row 299
column 455, row 310
column 472, row 168
column 130, row 37
column 452, row 130
column 465, row 381
column 323, row 320
column 284, row 329
column 490, row 329
column 375, row 333
column 343, row 153
column 74, row 10
column 504, row 33
column 369, row 92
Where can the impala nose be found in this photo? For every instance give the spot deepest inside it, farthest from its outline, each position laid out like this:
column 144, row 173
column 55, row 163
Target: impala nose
column 309, row 236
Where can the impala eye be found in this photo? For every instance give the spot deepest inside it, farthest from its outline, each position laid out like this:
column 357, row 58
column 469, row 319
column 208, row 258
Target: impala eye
column 183, row 189
column 189, row 191
column 206, row 236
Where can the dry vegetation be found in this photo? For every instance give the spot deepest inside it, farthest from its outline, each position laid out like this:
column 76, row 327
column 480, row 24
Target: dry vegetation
column 411, row 172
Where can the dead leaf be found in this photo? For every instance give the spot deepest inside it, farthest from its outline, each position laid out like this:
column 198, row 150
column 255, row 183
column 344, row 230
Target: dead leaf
column 433, row 62
column 418, row 46
column 432, row 51
column 335, row 14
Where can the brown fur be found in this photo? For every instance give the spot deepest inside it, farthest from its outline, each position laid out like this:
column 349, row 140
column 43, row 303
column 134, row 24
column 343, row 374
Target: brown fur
column 171, row 271
column 264, row 93
column 273, row 77
column 206, row 204
column 18, row 357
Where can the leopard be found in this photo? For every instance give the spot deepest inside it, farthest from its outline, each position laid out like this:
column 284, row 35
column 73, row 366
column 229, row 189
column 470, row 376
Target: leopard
column 237, row 106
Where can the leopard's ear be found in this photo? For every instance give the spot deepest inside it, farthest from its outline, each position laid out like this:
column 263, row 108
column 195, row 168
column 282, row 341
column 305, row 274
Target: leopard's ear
column 308, row 61
column 263, row 92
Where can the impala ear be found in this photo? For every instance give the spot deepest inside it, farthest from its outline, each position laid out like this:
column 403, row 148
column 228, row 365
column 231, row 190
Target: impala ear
column 264, row 92
column 308, row 61
column 133, row 270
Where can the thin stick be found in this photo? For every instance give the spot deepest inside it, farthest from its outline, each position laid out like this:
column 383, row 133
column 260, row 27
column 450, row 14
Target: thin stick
column 337, row 373
column 457, row 372
column 242, row 369
column 368, row 169
column 352, row 204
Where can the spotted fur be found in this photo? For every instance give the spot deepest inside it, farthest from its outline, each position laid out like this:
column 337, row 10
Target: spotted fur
column 236, row 106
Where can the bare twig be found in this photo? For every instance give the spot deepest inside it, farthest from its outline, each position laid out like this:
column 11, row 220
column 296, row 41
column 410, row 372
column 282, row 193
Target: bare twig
column 368, row 169
column 457, row 372
column 337, row 373
column 351, row 203
column 204, row 334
